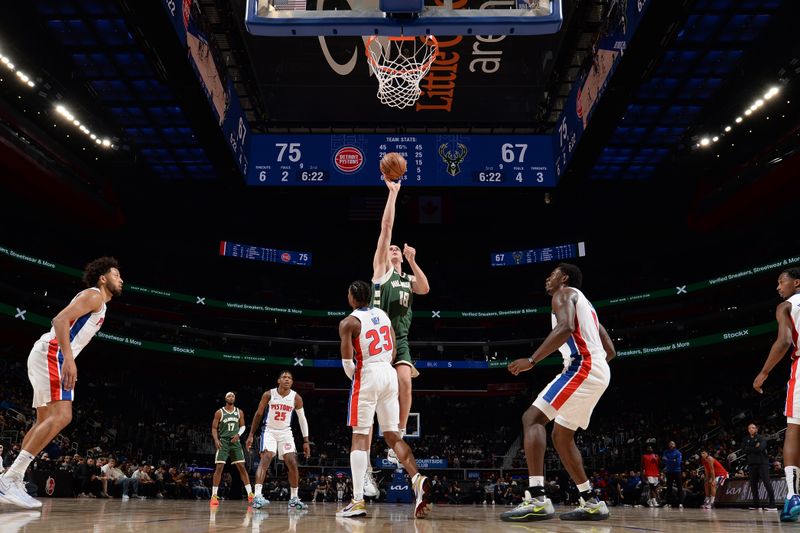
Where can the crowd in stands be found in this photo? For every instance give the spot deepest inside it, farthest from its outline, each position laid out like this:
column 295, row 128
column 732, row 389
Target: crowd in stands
column 159, row 446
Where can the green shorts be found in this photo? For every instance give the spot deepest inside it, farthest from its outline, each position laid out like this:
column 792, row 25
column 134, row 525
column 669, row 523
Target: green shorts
column 229, row 449
column 404, row 356
column 403, row 352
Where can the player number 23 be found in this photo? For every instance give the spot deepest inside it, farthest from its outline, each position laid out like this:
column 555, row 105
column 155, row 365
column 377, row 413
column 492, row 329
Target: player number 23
column 375, row 336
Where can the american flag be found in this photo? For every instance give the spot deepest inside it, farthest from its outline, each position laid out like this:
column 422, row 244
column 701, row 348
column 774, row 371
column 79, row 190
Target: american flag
column 366, row 209
column 295, row 5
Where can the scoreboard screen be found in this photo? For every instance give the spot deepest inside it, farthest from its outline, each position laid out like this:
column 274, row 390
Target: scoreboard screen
column 539, row 255
column 433, row 160
column 258, row 253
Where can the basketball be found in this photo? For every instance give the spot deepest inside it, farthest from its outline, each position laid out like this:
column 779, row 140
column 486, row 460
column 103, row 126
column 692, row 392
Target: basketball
column 393, row 166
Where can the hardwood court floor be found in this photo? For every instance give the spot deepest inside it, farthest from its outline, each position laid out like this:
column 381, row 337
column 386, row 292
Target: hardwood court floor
column 167, row 516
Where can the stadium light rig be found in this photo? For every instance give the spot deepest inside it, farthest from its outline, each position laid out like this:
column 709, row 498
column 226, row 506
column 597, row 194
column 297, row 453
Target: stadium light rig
column 8, row 64
column 770, row 93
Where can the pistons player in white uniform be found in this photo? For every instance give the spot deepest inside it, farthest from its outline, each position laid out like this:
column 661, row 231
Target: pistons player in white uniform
column 788, row 317
column 276, row 408
column 368, row 351
column 53, row 374
column 569, row 399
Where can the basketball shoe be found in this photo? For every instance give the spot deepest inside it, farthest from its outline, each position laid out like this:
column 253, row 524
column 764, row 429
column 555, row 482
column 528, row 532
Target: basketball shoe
column 295, row 503
column 353, row 509
column 422, row 488
column 530, row 510
column 13, row 491
column 791, row 509
column 370, row 487
column 391, row 456
column 250, row 498
column 259, row 502
column 589, row 510
column 214, row 502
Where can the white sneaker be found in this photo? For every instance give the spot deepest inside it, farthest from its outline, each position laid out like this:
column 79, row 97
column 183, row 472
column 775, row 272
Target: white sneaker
column 391, row 456
column 370, row 487
column 13, row 492
column 125, row 497
column 422, row 489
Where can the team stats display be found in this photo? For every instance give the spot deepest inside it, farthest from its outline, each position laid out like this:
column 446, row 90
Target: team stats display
column 259, row 253
column 539, row 255
column 433, row 160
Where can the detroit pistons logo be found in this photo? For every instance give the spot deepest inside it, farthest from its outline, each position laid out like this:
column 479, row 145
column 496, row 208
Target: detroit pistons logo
column 50, row 486
column 348, row 159
column 285, row 257
column 287, row 446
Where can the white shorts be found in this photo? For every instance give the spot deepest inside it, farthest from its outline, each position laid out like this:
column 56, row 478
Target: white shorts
column 374, row 391
column 792, row 406
column 570, row 398
column 280, row 442
column 652, row 480
column 44, row 372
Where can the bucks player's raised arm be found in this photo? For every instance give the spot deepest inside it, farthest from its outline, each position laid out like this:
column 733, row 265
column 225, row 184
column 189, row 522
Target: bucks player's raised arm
column 214, row 429
column 608, row 346
column 419, row 281
column 380, row 262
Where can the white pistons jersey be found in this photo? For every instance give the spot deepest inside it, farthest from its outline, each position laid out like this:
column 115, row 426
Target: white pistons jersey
column 281, row 408
column 374, row 344
column 584, row 343
column 81, row 330
column 794, row 313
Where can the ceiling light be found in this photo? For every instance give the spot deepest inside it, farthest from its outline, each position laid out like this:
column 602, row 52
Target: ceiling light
column 31, row 84
column 705, row 141
column 93, row 136
column 106, row 142
column 748, row 112
column 98, row 141
column 727, row 128
column 758, row 103
column 738, row 120
column 715, row 139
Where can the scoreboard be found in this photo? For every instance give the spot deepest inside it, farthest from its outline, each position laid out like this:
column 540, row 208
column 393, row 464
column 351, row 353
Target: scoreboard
column 433, row 160
column 539, row 255
column 259, row 253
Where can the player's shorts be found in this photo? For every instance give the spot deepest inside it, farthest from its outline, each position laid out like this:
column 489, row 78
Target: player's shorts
column 720, row 480
column 571, row 397
column 404, row 355
column 44, row 372
column 229, row 449
column 652, row 480
column 277, row 442
column 374, row 391
column 792, row 407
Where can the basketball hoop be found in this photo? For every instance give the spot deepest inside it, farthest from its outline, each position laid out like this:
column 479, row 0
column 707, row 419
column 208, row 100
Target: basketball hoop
column 400, row 63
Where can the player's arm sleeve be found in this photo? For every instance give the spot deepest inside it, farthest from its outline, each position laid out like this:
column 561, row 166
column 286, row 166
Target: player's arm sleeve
column 345, row 332
column 301, row 417
column 242, row 430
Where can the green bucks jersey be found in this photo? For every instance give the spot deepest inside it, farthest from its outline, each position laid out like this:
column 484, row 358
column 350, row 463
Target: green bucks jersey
column 392, row 293
column 228, row 424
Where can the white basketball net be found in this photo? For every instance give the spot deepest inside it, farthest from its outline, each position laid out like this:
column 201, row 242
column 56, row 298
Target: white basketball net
column 400, row 63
